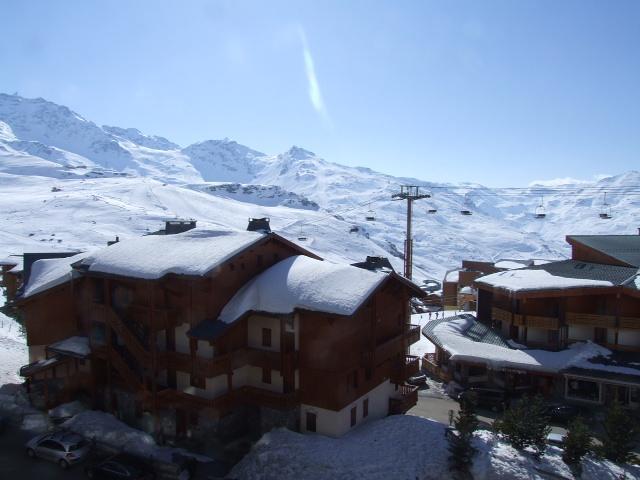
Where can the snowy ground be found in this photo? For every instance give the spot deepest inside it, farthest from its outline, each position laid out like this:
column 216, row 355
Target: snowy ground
column 401, row 447
column 13, row 348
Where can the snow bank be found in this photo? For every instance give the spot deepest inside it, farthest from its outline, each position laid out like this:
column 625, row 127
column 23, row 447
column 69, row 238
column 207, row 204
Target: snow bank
column 451, row 335
column 49, row 273
column 107, row 429
column 452, row 276
column 402, row 447
column 13, row 348
column 303, row 282
column 195, row 252
column 510, row 264
column 396, row 447
column 522, row 280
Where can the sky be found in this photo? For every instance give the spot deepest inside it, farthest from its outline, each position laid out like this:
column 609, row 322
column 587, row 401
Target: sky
column 498, row 92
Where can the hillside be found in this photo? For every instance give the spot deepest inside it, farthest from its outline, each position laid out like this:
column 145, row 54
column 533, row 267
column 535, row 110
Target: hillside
column 119, row 181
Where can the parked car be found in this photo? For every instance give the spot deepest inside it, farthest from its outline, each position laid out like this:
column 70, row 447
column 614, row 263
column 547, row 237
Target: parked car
column 63, row 448
column 121, row 466
column 563, row 414
column 492, row 398
column 417, row 379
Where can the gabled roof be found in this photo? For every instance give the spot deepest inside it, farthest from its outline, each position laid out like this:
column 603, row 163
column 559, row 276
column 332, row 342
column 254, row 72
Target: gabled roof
column 624, row 248
column 49, row 273
column 559, row 275
column 301, row 282
column 194, row 253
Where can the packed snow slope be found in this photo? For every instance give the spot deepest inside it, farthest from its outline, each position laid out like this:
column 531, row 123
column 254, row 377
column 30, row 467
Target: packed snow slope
column 67, row 182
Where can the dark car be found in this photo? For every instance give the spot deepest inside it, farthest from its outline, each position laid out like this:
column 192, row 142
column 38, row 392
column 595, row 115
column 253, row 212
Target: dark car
column 121, row 466
column 492, row 398
column 563, row 414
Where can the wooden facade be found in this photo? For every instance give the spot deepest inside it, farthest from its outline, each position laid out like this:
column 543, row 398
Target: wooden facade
column 140, row 332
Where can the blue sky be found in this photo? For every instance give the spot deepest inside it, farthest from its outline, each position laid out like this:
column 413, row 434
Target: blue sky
column 495, row 92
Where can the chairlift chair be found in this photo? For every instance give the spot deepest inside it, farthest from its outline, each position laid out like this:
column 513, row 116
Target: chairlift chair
column 465, row 210
column 540, row 213
column 370, row 216
column 605, row 213
column 301, row 236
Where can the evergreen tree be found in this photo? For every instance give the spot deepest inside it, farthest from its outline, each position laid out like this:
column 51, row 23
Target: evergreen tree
column 526, row 424
column 577, row 443
column 620, row 430
column 460, row 447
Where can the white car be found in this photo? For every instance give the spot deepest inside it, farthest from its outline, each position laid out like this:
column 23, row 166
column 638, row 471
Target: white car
column 63, row 448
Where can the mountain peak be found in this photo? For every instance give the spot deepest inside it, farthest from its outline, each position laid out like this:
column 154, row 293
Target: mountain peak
column 298, row 153
column 136, row 136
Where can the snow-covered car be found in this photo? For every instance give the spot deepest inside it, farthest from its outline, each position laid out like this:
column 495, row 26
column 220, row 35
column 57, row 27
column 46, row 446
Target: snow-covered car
column 555, row 439
column 63, row 448
column 417, row 380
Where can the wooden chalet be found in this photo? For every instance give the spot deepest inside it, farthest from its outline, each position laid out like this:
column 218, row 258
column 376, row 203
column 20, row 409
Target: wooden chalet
column 593, row 297
column 156, row 317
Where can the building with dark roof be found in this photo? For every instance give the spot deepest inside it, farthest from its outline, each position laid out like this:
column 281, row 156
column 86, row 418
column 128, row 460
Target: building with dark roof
column 593, row 297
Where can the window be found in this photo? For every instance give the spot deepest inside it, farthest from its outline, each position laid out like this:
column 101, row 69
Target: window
column 354, row 415
column 365, row 408
column 266, row 337
column 266, row 375
column 311, row 422
column 583, row 390
column 98, row 290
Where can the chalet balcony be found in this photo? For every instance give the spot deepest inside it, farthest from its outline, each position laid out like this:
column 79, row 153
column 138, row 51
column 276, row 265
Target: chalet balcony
column 501, row 315
column 591, row 320
column 266, row 398
column 629, row 322
column 548, row 323
column 412, row 334
column 404, row 368
column 403, row 399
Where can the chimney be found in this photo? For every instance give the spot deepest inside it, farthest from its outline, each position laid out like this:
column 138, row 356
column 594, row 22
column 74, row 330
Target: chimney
column 171, row 227
column 259, row 225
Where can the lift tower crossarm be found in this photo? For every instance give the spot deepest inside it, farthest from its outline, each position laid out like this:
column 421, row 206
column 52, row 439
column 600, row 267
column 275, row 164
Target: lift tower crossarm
column 409, row 193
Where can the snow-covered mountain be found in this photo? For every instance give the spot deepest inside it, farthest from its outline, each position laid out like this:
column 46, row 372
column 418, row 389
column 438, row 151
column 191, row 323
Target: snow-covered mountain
column 116, row 181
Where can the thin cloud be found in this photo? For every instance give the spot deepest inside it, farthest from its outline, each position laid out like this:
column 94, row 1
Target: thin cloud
column 315, row 95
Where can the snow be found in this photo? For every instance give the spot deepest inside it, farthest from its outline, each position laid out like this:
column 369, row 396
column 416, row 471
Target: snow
column 509, row 264
column 451, row 335
column 49, row 273
column 403, row 447
column 194, row 252
column 305, row 283
column 467, row 290
column 452, row 276
column 424, row 345
column 77, row 346
column 13, row 348
column 107, row 429
column 527, row 280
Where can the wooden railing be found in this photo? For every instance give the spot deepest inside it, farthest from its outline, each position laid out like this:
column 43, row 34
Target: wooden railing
column 501, row 315
column 591, row 320
column 518, row 320
column 629, row 322
column 404, row 398
column 131, row 341
column 266, row 398
column 404, row 368
column 131, row 379
column 535, row 321
column 412, row 334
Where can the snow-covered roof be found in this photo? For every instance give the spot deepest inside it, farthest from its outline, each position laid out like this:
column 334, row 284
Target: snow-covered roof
column 76, row 346
column 194, row 252
column 526, row 280
column 452, row 276
column 8, row 261
column 559, row 275
column 306, row 283
column 49, row 273
column 467, row 290
column 451, row 336
column 510, row 264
